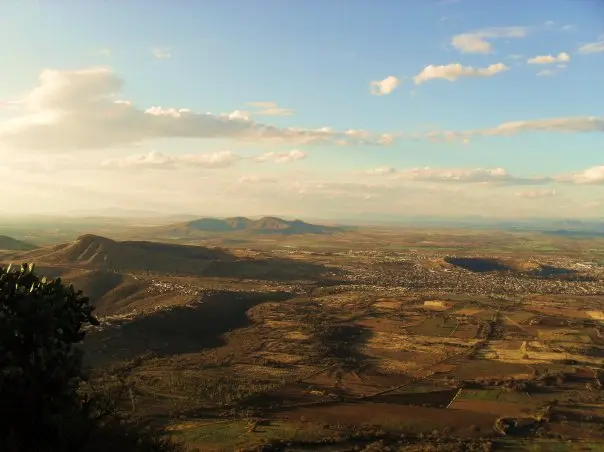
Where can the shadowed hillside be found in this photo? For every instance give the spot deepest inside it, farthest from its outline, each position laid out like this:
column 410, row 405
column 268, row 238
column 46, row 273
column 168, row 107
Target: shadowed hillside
column 10, row 244
column 184, row 329
column 109, row 292
column 101, row 253
column 485, row 264
column 94, row 283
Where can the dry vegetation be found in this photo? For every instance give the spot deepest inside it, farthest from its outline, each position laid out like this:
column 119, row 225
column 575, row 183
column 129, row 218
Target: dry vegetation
column 349, row 348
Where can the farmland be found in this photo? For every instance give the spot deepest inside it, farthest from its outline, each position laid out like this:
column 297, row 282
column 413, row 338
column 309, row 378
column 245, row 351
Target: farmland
column 349, row 348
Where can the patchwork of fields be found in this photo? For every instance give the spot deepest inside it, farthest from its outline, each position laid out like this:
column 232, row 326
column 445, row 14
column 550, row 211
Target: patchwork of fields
column 346, row 350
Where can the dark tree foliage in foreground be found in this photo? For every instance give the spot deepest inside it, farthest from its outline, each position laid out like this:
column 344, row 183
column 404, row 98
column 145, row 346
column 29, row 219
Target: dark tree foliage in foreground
column 42, row 404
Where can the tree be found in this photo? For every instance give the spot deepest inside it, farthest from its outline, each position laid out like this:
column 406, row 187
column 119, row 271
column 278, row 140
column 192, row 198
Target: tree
column 42, row 405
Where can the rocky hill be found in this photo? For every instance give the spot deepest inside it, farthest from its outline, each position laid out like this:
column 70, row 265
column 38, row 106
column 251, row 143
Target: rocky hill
column 101, row 253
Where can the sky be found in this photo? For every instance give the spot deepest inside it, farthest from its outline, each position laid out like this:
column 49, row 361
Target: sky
column 303, row 109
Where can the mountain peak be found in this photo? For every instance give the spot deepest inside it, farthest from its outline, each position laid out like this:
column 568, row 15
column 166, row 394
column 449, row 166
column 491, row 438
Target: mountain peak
column 87, row 239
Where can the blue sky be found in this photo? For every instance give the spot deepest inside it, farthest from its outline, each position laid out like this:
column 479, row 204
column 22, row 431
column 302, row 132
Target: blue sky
column 489, row 103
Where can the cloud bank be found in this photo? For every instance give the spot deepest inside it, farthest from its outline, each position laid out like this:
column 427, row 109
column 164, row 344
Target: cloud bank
column 82, row 110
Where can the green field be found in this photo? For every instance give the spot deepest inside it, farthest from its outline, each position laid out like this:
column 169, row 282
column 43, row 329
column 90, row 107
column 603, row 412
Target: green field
column 494, row 395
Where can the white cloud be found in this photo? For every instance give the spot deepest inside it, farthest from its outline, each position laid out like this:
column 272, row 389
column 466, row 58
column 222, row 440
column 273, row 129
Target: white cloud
column 381, row 171
column 562, row 57
column 447, row 137
column 452, row 72
column 364, row 137
column 267, row 108
column 209, row 160
column 572, row 124
column 294, row 193
column 9, row 104
column 63, row 91
column 220, row 159
column 240, row 114
column 384, row 87
column 474, row 175
column 81, row 110
column 157, row 160
column 493, row 176
column 593, row 175
column 105, row 52
column 257, row 180
column 593, row 47
column 281, row 157
column 536, row 194
column 565, row 124
column 458, row 175
column 162, row 53
column 153, row 159
column 477, row 41
column 358, row 133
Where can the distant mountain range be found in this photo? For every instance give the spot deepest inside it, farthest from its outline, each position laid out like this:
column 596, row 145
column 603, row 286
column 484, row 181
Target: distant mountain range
column 575, row 233
column 475, row 221
column 10, row 244
column 265, row 225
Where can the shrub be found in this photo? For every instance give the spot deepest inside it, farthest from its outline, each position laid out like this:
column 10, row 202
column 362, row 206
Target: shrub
column 43, row 405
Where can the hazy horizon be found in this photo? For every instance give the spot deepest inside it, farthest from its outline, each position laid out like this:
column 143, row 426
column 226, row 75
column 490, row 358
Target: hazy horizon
column 408, row 109
column 358, row 219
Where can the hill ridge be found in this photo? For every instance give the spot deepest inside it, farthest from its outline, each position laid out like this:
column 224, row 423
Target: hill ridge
column 267, row 224
column 11, row 244
column 91, row 251
column 103, row 252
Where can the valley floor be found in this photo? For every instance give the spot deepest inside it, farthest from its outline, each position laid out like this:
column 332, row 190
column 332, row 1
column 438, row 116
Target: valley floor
column 394, row 350
column 348, row 348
